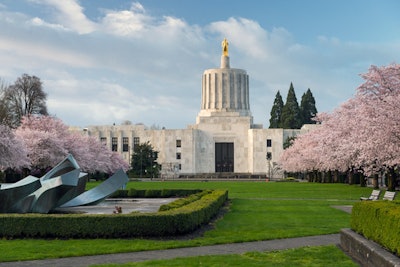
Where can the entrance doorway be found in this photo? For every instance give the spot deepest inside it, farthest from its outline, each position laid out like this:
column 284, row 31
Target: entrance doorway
column 224, row 156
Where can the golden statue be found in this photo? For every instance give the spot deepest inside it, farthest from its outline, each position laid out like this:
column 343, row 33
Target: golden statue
column 225, row 45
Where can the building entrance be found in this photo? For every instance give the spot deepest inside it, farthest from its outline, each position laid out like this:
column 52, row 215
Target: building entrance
column 224, row 157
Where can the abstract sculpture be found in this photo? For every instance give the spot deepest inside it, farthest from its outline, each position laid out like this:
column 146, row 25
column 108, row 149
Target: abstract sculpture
column 100, row 192
column 62, row 186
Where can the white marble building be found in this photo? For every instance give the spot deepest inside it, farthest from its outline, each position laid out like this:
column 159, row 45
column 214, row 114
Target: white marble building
column 224, row 139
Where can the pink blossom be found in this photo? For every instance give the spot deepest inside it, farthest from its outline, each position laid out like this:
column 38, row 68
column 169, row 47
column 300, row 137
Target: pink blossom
column 363, row 133
column 49, row 140
column 13, row 153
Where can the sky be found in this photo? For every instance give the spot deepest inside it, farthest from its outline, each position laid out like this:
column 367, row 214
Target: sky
column 110, row 61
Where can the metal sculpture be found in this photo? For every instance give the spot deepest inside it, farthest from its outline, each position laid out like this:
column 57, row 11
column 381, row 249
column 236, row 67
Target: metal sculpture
column 100, row 192
column 62, row 186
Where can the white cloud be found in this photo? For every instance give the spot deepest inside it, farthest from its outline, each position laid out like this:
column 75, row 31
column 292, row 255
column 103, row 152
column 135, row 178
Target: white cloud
column 70, row 15
column 38, row 53
column 39, row 22
column 130, row 65
column 246, row 35
column 136, row 6
column 126, row 22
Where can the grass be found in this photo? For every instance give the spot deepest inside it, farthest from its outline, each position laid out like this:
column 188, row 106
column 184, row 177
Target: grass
column 258, row 211
column 327, row 256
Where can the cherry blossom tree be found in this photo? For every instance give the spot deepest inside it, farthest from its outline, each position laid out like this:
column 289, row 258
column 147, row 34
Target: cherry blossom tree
column 49, row 140
column 44, row 137
column 12, row 150
column 363, row 134
column 380, row 95
column 92, row 155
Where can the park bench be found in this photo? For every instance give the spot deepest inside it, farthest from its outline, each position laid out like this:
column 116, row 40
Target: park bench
column 374, row 195
column 389, row 195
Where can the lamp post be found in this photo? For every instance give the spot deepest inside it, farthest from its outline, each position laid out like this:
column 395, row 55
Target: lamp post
column 269, row 157
column 141, row 164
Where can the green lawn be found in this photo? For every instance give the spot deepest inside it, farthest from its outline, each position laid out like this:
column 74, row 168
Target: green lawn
column 327, row 256
column 258, row 211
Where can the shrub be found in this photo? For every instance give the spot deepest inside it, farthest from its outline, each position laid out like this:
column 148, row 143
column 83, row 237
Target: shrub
column 152, row 193
column 140, row 193
column 378, row 221
column 136, row 193
column 288, row 179
column 183, row 201
column 172, row 222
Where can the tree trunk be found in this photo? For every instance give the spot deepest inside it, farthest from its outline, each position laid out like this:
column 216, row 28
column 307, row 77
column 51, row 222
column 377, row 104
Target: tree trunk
column 375, row 183
column 314, row 176
column 361, row 179
column 350, row 177
column 336, row 176
column 391, row 180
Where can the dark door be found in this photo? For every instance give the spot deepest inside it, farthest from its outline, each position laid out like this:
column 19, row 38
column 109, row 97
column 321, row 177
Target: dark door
column 224, row 157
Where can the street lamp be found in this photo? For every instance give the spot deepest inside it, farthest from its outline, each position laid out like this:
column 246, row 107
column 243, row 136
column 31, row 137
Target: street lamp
column 269, row 157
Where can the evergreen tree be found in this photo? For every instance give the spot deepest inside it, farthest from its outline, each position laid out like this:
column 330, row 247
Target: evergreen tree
column 276, row 112
column 144, row 161
column 289, row 141
column 307, row 107
column 291, row 115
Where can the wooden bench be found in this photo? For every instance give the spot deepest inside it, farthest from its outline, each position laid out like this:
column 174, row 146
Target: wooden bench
column 389, row 195
column 374, row 195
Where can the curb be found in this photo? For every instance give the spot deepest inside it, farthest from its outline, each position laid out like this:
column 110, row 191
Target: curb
column 366, row 252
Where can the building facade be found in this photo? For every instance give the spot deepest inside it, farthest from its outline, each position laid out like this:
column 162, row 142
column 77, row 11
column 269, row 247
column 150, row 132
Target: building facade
column 224, row 139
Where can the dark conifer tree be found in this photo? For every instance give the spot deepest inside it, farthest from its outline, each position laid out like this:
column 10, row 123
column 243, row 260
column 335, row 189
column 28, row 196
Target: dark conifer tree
column 307, row 107
column 276, row 112
column 144, row 161
column 291, row 115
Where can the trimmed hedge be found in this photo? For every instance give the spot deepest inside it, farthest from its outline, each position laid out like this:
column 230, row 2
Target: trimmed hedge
column 151, row 193
column 167, row 223
column 378, row 221
column 183, row 201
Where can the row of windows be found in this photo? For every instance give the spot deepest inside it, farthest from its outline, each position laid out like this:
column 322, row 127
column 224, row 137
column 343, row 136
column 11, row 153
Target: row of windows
column 136, row 141
column 125, row 143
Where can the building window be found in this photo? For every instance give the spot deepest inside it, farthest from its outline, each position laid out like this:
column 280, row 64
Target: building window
column 269, row 155
column 125, row 144
column 178, row 143
column 269, row 143
column 136, row 142
column 114, row 144
column 103, row 140
column 178, row 155
column 180, row 166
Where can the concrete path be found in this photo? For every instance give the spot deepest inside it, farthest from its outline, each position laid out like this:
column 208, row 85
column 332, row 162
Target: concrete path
column 235, row 248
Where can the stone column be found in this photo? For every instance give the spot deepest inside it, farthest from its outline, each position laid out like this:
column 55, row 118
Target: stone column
column 225, row 62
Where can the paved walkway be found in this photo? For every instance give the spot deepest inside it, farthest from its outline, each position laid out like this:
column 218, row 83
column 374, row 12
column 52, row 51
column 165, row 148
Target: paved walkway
column 235, row 248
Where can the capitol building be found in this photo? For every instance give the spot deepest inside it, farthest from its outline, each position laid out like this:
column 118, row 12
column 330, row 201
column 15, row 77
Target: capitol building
column 223, row 142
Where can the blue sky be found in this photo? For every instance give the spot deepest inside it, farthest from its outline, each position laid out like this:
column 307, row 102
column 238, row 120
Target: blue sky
column 104, row 62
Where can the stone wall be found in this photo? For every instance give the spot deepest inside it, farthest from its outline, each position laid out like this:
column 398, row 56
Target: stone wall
column 366, row 252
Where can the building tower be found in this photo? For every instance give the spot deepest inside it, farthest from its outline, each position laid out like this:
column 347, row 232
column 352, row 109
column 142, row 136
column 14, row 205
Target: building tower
column 224, row 119
column 225, row 89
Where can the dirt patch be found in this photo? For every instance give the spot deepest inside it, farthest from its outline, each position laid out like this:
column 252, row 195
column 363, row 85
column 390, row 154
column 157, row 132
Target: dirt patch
column 345, row 208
